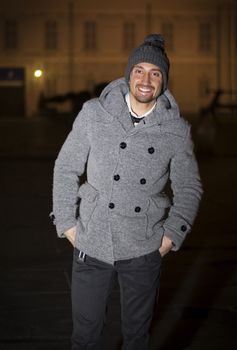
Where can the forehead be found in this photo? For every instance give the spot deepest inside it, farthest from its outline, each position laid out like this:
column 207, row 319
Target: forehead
column 147, row 66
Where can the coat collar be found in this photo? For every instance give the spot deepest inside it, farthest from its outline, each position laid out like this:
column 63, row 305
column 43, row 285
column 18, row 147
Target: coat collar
column 112, row 101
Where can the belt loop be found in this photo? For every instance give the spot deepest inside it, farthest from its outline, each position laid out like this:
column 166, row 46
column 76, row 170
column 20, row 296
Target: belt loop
column 81, row 256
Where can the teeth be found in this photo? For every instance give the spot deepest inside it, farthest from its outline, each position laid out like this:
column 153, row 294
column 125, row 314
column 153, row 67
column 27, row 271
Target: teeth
column 145, row 90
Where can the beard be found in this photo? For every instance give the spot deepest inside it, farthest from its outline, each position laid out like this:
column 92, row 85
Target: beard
column 143, row 99
column 144, row 96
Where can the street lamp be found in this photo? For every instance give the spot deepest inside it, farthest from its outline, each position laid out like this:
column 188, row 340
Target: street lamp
column 38, row 73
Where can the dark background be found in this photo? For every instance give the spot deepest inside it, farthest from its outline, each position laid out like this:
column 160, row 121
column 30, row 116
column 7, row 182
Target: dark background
column 197, row 306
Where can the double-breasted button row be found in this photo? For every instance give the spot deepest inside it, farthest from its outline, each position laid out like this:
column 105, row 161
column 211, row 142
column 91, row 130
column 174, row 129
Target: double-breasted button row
column 136, row 209
column 150, row 150
column 117, row 178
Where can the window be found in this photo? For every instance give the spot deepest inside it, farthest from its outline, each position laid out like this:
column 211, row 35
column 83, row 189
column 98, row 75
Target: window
column 11, row 35
column 90, row 35
column 235, row 35
column 128, row 35
column 168, row 33
column 204, row 87
column 51, row 35
column 205, row 37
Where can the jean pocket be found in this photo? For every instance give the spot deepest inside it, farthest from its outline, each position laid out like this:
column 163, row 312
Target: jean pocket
column 154, row 257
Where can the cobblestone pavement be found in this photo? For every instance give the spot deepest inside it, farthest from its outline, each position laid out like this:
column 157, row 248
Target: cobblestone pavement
column 197, row 307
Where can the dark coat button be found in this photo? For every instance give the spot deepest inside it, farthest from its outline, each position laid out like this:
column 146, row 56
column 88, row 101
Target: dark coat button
column 183, row 228
column 116, row 177
column 137, row 209
column 111, row 205
column 123, row 145
column 142, row 181
column 52, row 218
column 151, row 150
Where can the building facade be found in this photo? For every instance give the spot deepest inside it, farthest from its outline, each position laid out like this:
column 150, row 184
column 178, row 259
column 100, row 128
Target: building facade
column 55, row 47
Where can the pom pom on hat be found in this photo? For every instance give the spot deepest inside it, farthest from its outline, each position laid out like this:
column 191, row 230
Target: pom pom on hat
column 152, row 50
column 155, row 40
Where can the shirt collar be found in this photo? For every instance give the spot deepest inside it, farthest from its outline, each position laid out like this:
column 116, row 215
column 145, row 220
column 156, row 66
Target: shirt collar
column 127, row 99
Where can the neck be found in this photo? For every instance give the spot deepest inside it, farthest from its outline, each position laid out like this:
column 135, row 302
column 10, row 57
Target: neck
column 140, row 108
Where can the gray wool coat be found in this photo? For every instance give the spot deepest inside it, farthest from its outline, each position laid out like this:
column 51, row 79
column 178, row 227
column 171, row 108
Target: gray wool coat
column 123, row 208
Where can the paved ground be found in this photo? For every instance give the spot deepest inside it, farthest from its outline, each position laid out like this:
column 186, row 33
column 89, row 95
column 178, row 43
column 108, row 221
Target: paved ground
column 197, row 307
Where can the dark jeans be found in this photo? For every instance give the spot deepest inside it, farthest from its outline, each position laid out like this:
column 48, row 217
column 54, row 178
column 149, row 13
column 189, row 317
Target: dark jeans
column 92, row 282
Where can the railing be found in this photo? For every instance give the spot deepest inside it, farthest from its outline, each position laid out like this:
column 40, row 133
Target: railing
column 217, row 108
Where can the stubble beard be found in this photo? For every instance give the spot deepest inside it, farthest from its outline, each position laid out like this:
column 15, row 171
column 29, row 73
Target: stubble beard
column 144, row 99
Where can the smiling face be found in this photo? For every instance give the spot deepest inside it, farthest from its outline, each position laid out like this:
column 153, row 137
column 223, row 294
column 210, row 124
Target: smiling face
column 145, row 86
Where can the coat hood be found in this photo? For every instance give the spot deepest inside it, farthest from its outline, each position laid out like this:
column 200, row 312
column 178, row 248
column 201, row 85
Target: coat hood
column 112, row 100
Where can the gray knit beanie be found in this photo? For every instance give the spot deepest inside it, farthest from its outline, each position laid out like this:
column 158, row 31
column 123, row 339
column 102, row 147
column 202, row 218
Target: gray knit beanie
column 151, row 51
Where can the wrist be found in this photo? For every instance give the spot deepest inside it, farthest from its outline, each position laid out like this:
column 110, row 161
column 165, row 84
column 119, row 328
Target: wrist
column 70, row 234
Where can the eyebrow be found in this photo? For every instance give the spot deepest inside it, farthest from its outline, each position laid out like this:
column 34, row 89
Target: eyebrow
column 153, row 69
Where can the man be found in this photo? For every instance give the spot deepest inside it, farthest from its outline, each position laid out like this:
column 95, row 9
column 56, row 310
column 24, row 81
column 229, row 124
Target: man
column 130, row 141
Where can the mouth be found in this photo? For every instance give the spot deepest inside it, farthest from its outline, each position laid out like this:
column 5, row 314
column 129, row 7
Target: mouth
column 145, row 89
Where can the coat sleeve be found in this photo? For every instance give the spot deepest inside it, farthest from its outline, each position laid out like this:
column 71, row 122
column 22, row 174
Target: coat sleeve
column 69, row 166
column 187, row 191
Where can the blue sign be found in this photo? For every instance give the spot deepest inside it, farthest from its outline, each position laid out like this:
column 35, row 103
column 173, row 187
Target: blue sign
column 12, row 74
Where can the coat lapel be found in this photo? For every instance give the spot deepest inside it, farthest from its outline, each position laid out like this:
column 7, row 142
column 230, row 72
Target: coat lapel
column 125, row 120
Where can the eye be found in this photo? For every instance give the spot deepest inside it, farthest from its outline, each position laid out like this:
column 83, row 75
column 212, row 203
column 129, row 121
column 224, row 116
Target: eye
column 157, row 74
column 137, row 71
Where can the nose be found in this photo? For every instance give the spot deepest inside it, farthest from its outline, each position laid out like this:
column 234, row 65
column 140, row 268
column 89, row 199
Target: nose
column 146, row 78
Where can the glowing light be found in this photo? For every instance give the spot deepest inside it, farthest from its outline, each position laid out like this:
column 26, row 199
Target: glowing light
column 38, row 73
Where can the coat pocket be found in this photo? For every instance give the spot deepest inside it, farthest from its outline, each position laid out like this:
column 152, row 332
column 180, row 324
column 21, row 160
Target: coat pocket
column 157, row 212
column 89, row 196
column 161, row 200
